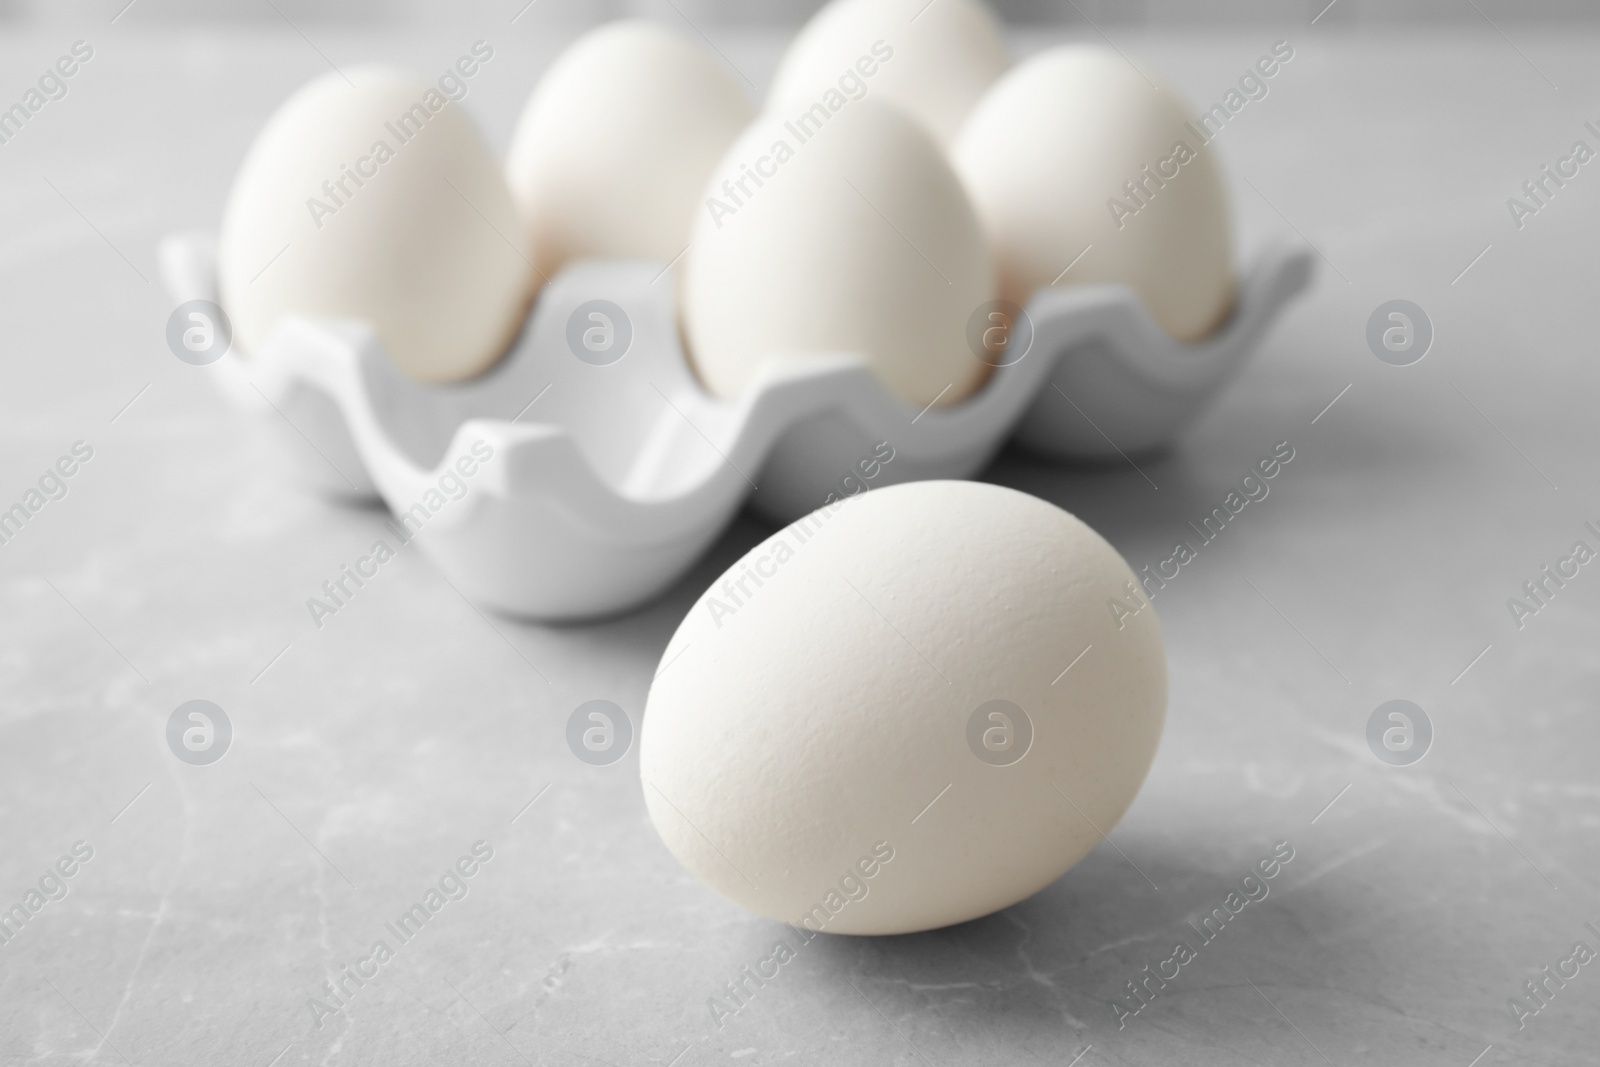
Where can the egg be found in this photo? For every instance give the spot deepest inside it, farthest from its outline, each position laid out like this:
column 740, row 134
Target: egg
column 842, row 234
column 1074, row 154
column 933, row 59
column 909, row 709
column 374, row 199
column 613, row 148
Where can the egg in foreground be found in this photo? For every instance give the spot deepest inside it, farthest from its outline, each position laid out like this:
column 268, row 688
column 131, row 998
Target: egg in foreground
column 1074, row 154
column 864, row 726
column 375, row 199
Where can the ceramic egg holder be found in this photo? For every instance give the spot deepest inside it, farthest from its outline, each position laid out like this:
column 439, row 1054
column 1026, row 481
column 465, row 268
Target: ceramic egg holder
column 608, row 475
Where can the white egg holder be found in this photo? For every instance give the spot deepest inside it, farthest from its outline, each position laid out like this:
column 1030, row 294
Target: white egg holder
column 605, row 483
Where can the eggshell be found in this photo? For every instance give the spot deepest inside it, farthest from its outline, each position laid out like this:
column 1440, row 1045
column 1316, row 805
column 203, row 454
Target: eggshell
column 1045, row 156
column 614, row 147
column 422, row 243
column 812, row 739
column 941, row 57
column 849, row 236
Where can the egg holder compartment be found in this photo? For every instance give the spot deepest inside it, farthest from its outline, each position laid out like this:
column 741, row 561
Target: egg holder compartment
column 605, row 483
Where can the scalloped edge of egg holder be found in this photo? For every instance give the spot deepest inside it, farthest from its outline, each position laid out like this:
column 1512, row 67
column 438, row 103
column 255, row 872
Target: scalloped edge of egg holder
column 605, row 482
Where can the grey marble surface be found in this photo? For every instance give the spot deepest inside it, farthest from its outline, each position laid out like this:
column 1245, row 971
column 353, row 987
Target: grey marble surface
column 370, row 754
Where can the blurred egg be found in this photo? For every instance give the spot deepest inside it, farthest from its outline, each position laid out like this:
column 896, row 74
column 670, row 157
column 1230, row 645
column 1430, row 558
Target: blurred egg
column 1074, row 153
column 850, row 236
column 375, row 199
column 909, row 709
column 614, row 147
column 932, row 59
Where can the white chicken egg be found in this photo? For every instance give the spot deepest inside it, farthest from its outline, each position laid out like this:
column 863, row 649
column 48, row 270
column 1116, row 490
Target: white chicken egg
column 868, row 726
column 373, row 198
column 933, row 59
column 842, row 234
column 1073, row 153
column 613, row 148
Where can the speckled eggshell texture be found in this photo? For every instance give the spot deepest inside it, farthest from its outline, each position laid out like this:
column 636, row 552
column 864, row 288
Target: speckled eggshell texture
column 864, row 726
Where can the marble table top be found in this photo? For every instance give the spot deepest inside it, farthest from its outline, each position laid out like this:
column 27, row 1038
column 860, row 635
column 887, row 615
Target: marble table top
column 207, row 906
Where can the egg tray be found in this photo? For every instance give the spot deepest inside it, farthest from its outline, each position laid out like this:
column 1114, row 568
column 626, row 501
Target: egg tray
column 559, row 487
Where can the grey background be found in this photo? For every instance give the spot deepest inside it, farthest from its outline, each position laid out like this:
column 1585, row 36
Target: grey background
column 369, row 754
